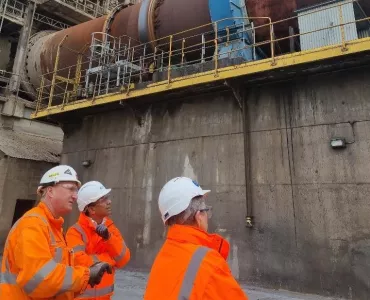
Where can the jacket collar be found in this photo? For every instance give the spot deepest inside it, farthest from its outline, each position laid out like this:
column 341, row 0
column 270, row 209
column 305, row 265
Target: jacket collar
column 57, row 223
column 193, row 235
column 87, row 222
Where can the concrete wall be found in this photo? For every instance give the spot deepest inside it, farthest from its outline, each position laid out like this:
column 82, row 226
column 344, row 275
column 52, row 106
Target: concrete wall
column 19, row 179
column 311, row 208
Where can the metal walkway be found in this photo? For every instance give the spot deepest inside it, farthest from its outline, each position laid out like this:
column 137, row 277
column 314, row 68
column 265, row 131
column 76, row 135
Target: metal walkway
column 118, row 71
column 14, row 11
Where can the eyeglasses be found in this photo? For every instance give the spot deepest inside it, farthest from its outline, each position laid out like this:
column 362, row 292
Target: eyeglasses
column 103, row 201
column 208, row 210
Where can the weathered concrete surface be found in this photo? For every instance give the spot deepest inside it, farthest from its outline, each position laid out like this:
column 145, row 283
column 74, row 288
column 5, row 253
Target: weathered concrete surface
column 312, row 225
column 19, row 179
column 131, row 285
column 27, row 150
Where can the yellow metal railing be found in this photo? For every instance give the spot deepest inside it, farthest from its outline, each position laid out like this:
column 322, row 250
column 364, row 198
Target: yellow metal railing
column 155, row 66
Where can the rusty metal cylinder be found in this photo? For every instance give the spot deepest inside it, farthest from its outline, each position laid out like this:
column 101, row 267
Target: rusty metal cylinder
column 165, row 17
column 151, row 20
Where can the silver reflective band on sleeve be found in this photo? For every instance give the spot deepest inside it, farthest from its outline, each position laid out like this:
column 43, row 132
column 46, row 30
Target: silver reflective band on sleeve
column 67, row 282
column 122, row 254
column 95, row 259
column 191, row 272
column 97, row 292
column 8, row 278
column 79, row 248
column 46, row 269
column 58, row 255
column 81, row 231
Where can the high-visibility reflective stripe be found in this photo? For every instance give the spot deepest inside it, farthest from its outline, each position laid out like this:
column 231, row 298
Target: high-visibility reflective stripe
column 52, row 237
column 7, row 268
column 191, row 272
column 122, row 254
column 97, row 292
column 8, row 278
column 67, row 282
column 58, row 256
column 37, row 216
column 81, row 231
column 10, row 231
column 16, row 224
column 79, row 248
column 32, row 284
column 95, row 258
column 39, row 276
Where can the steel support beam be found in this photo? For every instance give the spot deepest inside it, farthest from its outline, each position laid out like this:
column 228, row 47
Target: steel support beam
column 20, row 56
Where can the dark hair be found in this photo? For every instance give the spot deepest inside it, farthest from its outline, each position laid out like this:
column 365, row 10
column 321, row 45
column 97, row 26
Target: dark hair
column 86, row 211
column 187, row 217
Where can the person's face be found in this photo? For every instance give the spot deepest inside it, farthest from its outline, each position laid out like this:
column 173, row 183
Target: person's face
column 62, row 197
column 202, row 216
column 101, row 208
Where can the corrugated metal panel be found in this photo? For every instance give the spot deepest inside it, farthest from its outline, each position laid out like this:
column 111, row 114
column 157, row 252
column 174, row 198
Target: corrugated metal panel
column 317, row 18
column 363, row 33
column 28, row 146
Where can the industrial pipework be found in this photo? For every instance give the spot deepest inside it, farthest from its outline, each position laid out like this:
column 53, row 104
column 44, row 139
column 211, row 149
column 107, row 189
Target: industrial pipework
column 153, row 21
column 148, row 21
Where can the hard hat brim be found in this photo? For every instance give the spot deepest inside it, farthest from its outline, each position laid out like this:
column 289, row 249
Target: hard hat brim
column 180, row 207
column 105, row 192
column 52, row 183
column 205, row 192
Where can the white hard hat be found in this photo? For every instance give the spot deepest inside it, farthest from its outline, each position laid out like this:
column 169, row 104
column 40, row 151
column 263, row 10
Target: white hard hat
column 90, row 192
column 176, row 195
column 58, row 174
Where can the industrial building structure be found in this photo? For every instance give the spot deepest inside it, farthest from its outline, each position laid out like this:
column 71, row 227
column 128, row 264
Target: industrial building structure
column 265, row 102
column 29, row 147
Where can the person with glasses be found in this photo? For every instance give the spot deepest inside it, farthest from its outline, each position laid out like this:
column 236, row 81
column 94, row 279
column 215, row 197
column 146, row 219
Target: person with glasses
column 37, row 263
column 192, row 262
column 95, row 238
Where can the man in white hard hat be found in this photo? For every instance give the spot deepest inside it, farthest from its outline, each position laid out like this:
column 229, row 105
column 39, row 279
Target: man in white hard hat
column 192, row 263
column 37, row 264
column 95, row 238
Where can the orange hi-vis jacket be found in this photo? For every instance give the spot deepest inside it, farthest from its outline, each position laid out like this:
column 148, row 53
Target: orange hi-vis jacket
column 37, row 264
column 192, row 265
column 89, row 248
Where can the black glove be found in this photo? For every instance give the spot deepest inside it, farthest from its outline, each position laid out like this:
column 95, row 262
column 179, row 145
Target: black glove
column 97, row 271
column 102, row 230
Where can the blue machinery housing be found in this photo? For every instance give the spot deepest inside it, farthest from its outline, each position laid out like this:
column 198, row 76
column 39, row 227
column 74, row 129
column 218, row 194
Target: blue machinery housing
column 236, row 22
column 235, row 32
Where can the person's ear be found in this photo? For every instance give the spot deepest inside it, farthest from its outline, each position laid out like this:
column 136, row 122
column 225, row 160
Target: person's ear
column 49, row 191
column 198, row 219
column 91, row 210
